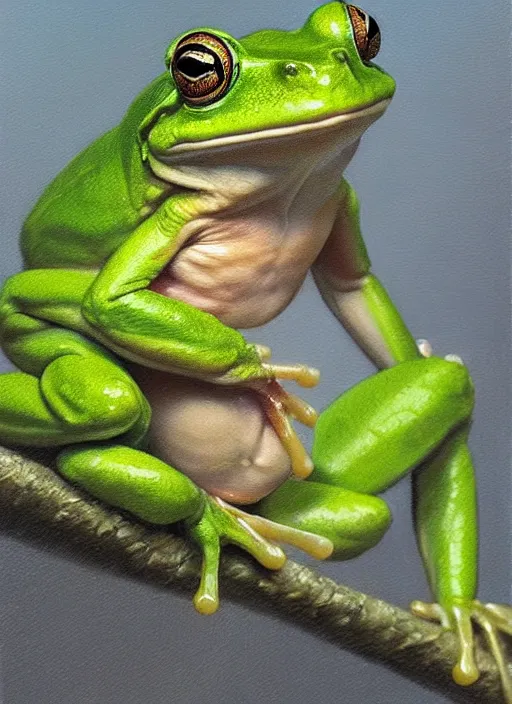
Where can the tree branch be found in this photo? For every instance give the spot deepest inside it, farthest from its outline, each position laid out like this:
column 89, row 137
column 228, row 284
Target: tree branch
column 38, row 505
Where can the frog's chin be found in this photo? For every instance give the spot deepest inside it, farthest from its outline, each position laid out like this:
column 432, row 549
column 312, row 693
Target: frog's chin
column 362, row 117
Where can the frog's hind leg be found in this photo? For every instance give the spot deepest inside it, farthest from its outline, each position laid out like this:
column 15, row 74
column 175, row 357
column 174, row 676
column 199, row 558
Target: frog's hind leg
column 64, row 407
column 69, row 389
column 80, row 394
column 415, row 415
column 72, row 391
column 366, row 440
column 155, row 492
column 445, row 515
column 351, row 521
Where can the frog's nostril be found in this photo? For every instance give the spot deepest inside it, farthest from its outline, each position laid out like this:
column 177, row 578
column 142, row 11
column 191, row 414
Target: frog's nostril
column 340, row 56
column 291, row 69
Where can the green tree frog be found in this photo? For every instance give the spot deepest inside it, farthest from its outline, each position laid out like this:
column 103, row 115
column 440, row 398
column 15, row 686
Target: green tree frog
column 200, row 215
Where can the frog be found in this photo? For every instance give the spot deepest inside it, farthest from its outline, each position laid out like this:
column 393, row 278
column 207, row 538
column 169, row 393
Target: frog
column 199, row 216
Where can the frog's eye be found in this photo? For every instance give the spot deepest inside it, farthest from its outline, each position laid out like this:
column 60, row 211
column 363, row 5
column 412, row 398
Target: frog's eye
column 202, row 67
column 366, row 33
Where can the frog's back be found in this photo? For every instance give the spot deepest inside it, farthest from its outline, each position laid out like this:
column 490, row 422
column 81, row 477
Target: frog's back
column 85, row 212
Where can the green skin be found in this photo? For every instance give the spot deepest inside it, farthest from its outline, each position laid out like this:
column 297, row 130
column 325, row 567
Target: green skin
column 111, row 222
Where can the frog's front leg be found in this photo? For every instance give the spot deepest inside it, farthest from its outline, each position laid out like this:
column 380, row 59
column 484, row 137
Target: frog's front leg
column 415, row 414
column 123, row 312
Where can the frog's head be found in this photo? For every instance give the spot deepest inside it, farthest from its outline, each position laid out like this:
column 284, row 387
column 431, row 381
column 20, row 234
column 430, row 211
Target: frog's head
column 271, row 83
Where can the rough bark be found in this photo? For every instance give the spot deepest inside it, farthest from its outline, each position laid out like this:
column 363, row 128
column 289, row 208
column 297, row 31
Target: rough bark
column 36, row 504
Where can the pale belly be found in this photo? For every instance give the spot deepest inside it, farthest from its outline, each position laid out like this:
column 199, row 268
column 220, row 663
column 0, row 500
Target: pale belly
column 217, row 436
column 245, row 271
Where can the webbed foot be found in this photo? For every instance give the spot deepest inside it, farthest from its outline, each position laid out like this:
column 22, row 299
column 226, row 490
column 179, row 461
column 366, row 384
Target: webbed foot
column 492, row 618
column 221, row 523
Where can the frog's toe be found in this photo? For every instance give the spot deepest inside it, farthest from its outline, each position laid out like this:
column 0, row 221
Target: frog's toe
column 301, row 374
column 426, row 350
column 495, row 619
column 429, row 612
column 501, row 615
column 279, row 405
column 315, row 545
column 216, row 526
column 424, row 347
column 454, row 358
column 264, row 352
column 492, row 618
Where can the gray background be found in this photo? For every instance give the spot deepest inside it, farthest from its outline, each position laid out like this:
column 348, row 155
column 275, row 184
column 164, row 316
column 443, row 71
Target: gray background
column 433, row 181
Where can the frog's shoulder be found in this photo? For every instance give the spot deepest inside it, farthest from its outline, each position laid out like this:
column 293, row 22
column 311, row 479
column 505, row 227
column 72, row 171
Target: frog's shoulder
column 85, row 211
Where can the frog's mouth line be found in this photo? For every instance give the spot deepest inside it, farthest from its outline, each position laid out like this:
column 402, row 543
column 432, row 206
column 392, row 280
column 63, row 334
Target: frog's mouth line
column 275, row 132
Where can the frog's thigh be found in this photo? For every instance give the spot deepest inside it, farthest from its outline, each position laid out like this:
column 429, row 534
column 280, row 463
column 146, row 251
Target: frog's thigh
column 364, row 442
column 383, row 427
column 52, row 295
column 75, row 392
column 132, row 480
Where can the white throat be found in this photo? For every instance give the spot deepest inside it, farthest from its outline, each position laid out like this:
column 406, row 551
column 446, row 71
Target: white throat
column 256, row 166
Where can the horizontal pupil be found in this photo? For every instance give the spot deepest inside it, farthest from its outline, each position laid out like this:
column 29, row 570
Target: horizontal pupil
column 194, row 68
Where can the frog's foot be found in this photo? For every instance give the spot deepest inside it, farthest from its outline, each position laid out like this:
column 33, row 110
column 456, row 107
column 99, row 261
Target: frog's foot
column 217, row 526
column 315, row 545
column 279, row 405
column 492, row 618
column 426, row 350
column 220, row 523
